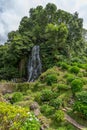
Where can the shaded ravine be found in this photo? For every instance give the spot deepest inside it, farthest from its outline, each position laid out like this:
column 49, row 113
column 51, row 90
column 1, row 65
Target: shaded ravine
column 73, row 122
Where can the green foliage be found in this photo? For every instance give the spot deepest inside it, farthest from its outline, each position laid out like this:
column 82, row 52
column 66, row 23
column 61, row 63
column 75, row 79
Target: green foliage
column 80, row 104
column 46, row 95
column 76, row 85
column 38, row 97
column 50, row 75
column 70, row 78
column 17, row 96
column 22, row 87
column 74, row 69
column 9, row 72
column 80, row 74
column 82, row 97
column 50, row 79
column 59, row 116
column 56, row 103
column 47, row 110
column 31, row 123
column 16, row 118
column 57, row 32
column 63, row 87
column 80, row 108
column 64, row 65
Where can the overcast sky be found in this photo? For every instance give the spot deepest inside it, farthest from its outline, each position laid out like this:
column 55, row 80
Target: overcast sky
column 11, row 12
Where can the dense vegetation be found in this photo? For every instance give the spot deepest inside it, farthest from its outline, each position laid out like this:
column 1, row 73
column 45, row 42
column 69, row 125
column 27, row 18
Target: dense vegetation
column 56, row 89
column 62, row 87
column 58, row 33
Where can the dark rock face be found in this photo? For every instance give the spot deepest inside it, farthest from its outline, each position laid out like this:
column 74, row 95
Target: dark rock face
column 34, row 66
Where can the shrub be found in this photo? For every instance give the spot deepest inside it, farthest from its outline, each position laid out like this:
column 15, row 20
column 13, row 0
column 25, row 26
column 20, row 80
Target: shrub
column 31, row 123
column 22, row 87
column 53, row 71
column 47, row 110
column 76, row 85
column 64, row 66
column 85, row 67
column 38, row 97
column 84, row 80
column 59, row 116
column 47, row 95
column 50, row 79
column 80, row 108
column 17, row 96
column 74, row 69
column 82, row 97
column 80, row 74
column 36, row 86
column 56, row 103
column 62, row 87
column 76, row 60
column 69, row 77
column 81, row 65
column 16, row 118
column 85, row 74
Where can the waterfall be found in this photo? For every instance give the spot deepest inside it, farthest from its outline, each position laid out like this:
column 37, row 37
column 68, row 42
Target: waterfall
column 34, row 65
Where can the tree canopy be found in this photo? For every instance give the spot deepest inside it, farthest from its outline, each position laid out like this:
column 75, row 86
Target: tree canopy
column 57, row 32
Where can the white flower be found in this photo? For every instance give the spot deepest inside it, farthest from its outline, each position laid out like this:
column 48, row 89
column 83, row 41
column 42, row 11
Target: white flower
column 28, row 113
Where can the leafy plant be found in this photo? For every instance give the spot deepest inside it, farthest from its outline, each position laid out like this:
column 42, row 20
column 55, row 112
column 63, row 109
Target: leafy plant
column 63, row 87
column 17, row 96
column 50, row 79
column 46, row 95
column 17, row 118
column 76, row 85
column 56, row 103
column 59, row 116
column 74, row 69
column 47, row 110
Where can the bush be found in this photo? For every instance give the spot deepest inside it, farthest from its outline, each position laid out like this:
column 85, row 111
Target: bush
column 38, row 97
column 56, row 103
column 59, row 116
column 64, row 66
column 47, row 110
column 62, row 87
column 80, row 108
column 22, row 87
column 46, row 95
column 31, row 123
column 82, row 97
column 17, row 118
column 17, row 96
column 85, row 74
column 69, row 77
column 50, row 79
column 85, row 67
column 80, row 74
column 76, row 85
column 53, row 71
column 74, row 69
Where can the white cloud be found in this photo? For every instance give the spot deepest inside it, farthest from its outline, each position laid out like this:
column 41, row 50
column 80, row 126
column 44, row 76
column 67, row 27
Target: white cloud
column 12, row 11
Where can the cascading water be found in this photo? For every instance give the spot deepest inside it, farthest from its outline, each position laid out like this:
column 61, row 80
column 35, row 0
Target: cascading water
column 34, row 65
